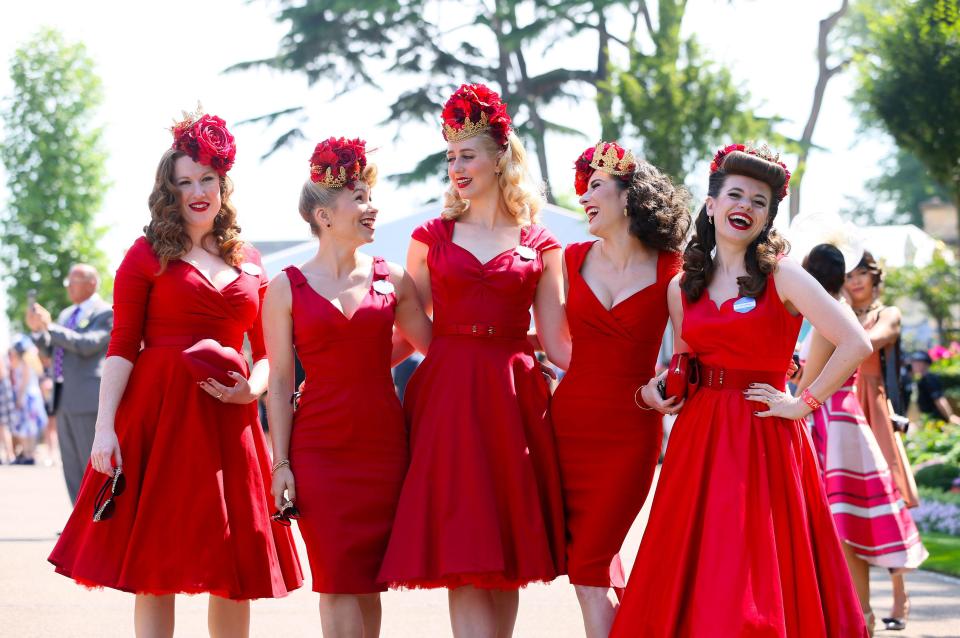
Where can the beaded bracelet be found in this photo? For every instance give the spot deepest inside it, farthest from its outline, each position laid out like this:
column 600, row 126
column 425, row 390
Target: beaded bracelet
column 279, row 464
column 810, row 400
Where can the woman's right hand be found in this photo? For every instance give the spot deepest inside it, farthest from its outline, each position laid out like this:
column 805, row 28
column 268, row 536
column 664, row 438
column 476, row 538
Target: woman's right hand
column 106, row 447
column 650, row 395
column 283, row 482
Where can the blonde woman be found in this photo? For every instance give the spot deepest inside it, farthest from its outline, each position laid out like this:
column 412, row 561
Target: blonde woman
column 480, row 512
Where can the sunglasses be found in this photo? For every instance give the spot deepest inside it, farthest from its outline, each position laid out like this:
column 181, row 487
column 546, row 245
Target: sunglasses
column 287, row 513
column 104, row 505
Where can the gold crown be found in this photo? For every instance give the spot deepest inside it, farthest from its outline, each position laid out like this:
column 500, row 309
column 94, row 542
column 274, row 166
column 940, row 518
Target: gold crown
column 468, row 130
column 609, row 162
column 764, row 152
column 188, row 118
column 329, row 179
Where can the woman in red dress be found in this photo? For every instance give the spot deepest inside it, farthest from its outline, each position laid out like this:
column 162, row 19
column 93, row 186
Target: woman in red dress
column 741, row 541
column 342, row 455
column 480, row 512
column 616, row 290
column 190, row 511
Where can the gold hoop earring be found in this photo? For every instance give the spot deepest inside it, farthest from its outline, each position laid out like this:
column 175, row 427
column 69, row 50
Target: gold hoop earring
column 626, row 213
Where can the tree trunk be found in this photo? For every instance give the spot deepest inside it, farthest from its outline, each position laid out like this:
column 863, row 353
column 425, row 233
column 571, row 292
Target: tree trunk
column 608, row 128
column 823, row 76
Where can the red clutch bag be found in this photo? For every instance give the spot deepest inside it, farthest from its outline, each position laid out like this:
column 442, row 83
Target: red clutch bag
column 683, row 377
column 207, row 359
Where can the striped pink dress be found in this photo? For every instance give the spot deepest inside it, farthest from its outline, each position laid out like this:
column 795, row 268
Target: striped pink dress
column 869, row 512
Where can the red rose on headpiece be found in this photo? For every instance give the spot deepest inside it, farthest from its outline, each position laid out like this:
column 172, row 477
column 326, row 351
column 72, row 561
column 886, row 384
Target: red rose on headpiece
column 207, row 141
column 334, row 154
column 583, row 171
column 468, row 107
column 764, row 153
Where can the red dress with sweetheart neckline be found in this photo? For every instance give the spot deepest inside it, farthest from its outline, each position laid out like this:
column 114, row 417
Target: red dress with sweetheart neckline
column 608, row 446
column 740, row 541
column 348, row 445
column 195, row 515
column 481, row 503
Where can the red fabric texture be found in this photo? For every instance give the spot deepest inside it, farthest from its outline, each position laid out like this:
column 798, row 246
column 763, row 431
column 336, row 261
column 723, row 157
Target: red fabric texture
column 348, row 446
column 481, row 503
column 741, row 541
column 195, row 515
column 608, row 446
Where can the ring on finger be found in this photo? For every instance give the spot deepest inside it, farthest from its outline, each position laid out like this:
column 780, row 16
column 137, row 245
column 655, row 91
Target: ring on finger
column 220, row 396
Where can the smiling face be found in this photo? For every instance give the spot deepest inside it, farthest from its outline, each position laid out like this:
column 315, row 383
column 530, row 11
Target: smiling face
column 351, row 218
column 859, row 286
column 472, row 166
column 199, row 189
column 604, row 202
column 740, row 210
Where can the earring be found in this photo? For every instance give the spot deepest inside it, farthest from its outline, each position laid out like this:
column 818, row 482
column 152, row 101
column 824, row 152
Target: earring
column 710, row 219
column 497, row 173
column 625, row 212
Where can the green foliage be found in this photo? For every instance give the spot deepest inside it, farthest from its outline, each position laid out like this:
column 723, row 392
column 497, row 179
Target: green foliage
column 944, row 553
column 941, row 496
column 909, row 73
column 933, row 441
column 936, row 286
column 938, row 475
column 55, row 167
column 903, row 185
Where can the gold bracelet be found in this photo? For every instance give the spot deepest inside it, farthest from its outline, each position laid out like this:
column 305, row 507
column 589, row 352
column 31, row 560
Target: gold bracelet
column 279, row 464
column 644, row 406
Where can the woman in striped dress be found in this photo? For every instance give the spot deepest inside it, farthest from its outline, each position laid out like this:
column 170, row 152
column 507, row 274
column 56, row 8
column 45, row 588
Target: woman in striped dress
column 871, row 516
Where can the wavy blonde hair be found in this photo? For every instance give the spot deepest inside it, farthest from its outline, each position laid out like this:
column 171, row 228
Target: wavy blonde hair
column 166, row 231
column 521, row 197
column 314, row 196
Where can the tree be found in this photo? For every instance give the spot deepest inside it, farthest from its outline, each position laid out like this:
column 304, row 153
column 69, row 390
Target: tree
column 679, row 106
column 936, row 286
column 55, row 169
column 909, row 75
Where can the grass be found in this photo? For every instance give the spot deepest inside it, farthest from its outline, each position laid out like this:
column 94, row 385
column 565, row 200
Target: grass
column 944, row 553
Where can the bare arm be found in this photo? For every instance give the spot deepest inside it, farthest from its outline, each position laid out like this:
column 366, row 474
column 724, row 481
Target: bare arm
column 802, row 292
column 549, row 313
column 278, row 340
column 649, row 394
column 420, row 273
column 820, row 352
column 411, row 320
column 886, row 329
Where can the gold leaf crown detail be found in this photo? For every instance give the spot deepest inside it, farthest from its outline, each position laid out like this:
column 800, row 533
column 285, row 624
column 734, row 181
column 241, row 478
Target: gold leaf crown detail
column 327, row 177
column 187, row 119
column 468, row 130
column 609, row 162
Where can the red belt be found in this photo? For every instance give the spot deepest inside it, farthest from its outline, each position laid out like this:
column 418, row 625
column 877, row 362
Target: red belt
column 185, row 341
column 482, row 330
column 734, row 379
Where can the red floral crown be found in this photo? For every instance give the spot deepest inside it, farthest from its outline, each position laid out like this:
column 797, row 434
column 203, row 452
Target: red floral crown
column 338, row 162
column 474, row 109
column 608, row 157
column 205, row 139
column 764, row 152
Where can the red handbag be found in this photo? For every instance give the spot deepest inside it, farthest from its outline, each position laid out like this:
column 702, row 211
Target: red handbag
column 208, row 359
column 683, row 377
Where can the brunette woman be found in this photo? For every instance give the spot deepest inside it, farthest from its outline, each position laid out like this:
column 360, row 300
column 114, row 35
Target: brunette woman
column 616, row 291
column 740, row 540
column 176, row 497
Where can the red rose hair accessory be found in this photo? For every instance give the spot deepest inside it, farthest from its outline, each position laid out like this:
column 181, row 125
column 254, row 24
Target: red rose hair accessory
column 206, row 140
column 764, row 152
column 608, row 157
column 474, row 109
column 338, row 162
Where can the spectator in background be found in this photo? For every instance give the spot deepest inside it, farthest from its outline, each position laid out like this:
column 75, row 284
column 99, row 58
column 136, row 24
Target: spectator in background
column 7, row 407
column 29, row 415
column 930, row 396
column 77, row 342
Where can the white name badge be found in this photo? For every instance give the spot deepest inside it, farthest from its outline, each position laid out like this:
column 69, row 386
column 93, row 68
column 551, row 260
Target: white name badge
column 383, row 286
column 251, row 268
column 744, row 305
column 526, row 253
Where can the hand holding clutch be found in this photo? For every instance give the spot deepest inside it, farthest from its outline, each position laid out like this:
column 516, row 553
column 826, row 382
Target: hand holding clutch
column 208, row 359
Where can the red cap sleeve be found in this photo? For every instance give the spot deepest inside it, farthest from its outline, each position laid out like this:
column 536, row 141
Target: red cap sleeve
column 539, row 238
column 574, row 254
column 430, row 232
column 131, row 293
column 255, row 333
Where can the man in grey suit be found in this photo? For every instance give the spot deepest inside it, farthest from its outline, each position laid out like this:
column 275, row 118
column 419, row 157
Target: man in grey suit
column 77, row 342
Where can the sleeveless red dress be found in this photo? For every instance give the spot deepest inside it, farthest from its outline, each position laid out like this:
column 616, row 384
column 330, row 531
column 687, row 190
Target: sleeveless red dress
column 348, row 445
column 608, row 446
column 741, row 541
column 195, row 514
column 481, row 503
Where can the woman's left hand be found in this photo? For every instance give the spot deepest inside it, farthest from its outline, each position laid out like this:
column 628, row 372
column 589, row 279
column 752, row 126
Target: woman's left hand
column 239, row 393
column 778, row 403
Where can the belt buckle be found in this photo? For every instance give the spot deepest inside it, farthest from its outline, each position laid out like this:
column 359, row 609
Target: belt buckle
column 473, row 329
column 720, row 381
column 491, row 330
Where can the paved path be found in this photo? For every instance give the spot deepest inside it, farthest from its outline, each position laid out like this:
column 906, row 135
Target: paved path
column 34, row 601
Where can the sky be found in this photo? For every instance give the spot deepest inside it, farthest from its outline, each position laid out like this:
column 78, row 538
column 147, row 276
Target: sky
column 158, row 58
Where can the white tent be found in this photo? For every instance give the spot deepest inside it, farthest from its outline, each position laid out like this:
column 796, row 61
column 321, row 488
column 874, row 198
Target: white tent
column 393, row 236
column 903, row 245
